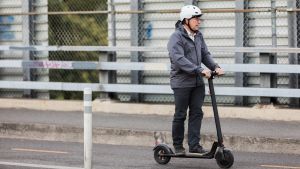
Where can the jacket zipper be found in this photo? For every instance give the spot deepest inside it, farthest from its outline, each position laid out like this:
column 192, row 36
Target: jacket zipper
column 196, row 58
column 197, row 61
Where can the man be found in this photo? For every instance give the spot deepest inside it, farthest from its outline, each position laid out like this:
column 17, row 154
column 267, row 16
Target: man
column 187, row 50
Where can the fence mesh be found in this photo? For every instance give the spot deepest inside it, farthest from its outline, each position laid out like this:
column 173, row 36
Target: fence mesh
column 76, row 30
column 298, row 45
column 116, row 22
column 298, row 24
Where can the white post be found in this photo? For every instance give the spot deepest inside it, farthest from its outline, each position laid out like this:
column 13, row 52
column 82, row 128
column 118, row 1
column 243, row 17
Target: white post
column 88, row 129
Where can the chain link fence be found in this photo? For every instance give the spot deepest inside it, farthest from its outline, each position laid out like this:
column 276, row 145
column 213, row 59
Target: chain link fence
column 138, row 23
column 298, row 25
column 16, row 29
column 71, row 29
column 295, row 102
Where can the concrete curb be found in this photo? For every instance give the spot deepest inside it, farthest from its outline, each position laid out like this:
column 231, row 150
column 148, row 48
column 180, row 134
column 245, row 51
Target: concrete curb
column 258, row 112
column 142, row 138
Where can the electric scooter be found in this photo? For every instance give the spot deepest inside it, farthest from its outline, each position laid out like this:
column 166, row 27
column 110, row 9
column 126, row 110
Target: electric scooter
column 224, row 157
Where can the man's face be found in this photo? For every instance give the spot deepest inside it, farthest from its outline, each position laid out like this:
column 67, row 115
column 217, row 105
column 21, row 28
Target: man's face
column 195, row 23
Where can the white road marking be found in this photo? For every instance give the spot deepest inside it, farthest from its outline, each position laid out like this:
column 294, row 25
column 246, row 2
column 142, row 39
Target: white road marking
column 278, row 166
column 39, row 151
column 36, row 165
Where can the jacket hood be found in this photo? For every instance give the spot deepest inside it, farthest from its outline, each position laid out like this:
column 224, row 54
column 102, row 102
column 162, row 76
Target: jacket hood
column 179, row 26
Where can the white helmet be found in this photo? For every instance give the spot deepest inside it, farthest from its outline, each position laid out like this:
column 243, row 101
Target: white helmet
column 189, row 11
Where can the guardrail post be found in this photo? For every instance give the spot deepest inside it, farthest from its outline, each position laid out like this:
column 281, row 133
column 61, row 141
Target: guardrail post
column 112, row 56
column 135, row 34
column 265, row 78
column 274, row 44
column 240, row 33
column 27, row 28
column 293, row 57
column 88, row 128
column 103, row 76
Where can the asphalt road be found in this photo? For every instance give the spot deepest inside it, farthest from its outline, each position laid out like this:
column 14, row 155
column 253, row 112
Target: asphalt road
column 16, row 153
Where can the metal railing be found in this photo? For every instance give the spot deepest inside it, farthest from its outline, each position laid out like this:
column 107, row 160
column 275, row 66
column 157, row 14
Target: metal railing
column 103, row 86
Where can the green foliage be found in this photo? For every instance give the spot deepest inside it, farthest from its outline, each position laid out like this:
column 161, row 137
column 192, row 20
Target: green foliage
column 79, row 29
column 76, row 30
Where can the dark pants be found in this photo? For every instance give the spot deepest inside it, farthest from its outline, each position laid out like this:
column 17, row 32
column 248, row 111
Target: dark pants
column 185, row 98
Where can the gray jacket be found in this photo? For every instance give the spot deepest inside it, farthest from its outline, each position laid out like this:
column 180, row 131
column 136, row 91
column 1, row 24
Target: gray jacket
column 186, row 57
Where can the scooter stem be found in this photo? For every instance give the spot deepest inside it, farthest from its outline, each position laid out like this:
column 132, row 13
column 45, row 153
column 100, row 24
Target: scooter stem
column 215, row 109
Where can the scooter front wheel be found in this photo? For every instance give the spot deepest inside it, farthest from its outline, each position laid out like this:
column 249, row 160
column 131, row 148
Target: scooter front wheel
column 228, row 160
column 158, row 152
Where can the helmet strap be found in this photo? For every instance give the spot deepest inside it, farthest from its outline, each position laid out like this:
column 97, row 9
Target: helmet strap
column 188, row 24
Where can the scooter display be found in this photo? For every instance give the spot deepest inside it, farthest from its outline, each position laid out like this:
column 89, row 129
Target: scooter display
column 224, row 157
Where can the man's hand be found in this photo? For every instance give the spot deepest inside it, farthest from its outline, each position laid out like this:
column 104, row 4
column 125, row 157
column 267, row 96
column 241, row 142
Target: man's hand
column 219, row 71
column 206, row 73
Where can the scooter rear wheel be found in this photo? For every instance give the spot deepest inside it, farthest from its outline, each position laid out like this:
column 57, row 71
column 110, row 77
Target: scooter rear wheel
column 158, row 152
column 228, row 160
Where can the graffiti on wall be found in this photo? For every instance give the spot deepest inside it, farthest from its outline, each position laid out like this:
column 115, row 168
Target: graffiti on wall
column 6, row 32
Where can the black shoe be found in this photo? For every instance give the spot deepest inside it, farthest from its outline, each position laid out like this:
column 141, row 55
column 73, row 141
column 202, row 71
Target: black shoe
column 179, row 150
column 198, row 149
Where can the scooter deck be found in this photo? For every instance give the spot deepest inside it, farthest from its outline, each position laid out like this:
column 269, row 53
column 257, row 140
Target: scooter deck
column 208, row 155
column 190, row 155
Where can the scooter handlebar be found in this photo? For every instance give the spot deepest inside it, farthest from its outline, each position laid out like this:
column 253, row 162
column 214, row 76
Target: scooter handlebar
column 213, row 73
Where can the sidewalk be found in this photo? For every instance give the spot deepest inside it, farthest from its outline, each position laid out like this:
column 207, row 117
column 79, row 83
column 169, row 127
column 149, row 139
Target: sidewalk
column 265, row 129
column 257, row 112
